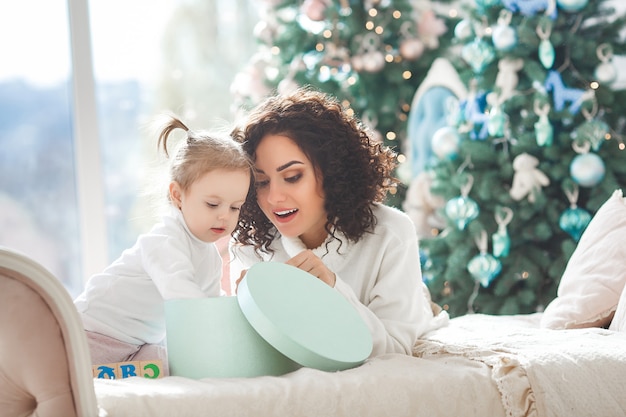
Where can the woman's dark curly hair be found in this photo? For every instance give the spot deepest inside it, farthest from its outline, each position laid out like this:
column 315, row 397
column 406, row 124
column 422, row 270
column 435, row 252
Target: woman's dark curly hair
column 356, row 171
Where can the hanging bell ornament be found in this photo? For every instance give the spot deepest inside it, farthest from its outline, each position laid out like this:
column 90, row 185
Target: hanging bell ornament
column 484, row 267
column 463, row 209
column 574, row 220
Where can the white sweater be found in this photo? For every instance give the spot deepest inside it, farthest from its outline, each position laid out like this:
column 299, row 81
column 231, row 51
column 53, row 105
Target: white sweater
column 126, row 300
column 380, row 275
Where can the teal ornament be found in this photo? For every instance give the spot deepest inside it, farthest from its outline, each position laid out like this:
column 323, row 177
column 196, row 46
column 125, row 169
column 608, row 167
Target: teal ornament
column 573, row 221
column 462, row 210
column 484, row 267
column 572, row 5
column 496, row 122
column 546, row 53
column 445, row 143
column 592, row 131
column 544, row 133
column 501, row 241
column 478, row 54
column 504, row 38
column 487, row 3
column 587, row 169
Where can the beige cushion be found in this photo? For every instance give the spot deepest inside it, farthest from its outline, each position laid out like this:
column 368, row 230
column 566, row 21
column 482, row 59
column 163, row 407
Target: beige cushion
column 618, row 323
column 595, row 275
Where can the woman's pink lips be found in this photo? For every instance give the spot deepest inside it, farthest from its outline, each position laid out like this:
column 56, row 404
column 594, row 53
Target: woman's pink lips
column 285, row 218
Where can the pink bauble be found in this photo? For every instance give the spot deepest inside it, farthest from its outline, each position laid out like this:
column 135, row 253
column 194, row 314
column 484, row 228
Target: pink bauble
column 314, row 9
column 411, row 49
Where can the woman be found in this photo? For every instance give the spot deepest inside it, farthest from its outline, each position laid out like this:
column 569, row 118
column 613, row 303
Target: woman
column 317, row 205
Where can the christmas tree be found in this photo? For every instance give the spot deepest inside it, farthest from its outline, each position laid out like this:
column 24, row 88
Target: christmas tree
column 371, row 54
column 531, row 148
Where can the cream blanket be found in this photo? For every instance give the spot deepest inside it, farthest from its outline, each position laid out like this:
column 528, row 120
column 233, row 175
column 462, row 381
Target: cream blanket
column 540, row 372
column 478, row 366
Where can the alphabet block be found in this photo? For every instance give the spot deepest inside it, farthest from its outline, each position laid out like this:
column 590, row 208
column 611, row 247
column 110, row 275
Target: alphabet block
column 120, row 370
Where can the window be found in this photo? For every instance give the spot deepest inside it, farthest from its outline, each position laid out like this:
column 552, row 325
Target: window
column 78, row 158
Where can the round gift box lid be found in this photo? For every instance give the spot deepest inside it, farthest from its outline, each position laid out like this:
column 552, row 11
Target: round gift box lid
column 303, row 318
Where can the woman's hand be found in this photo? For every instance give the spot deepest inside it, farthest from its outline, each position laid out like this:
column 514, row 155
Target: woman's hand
column 309, row 262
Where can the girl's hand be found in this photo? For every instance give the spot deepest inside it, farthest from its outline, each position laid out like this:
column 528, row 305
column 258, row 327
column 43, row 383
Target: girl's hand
column 243, row 274
column 309, row 262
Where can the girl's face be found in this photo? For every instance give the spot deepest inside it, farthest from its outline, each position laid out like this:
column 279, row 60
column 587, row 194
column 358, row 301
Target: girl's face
column 288, row 190
column 211, row 205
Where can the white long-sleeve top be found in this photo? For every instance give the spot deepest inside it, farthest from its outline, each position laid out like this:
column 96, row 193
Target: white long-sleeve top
column 126, row 300
column 379, row 275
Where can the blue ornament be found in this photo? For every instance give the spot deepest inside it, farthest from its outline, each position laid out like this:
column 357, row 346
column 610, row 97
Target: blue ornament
column 572, row 5
column 484, row 268
column 462, row 210
column 473, row 111
column 530, row 7
column 587, row 169
column 562, row 94
column 573, row 221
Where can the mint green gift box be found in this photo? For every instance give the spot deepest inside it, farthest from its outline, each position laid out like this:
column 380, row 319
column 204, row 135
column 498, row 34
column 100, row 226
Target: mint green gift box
column 281, row 319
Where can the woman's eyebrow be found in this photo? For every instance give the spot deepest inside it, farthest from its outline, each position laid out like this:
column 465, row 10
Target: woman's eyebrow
column 287, row 165
column 280, row 168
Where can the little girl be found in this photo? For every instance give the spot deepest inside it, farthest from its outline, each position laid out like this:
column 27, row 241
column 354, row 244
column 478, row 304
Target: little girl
column 123, row 307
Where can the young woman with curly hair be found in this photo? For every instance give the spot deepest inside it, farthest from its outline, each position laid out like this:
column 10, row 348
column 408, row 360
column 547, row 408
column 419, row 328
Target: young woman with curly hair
column 318, row 205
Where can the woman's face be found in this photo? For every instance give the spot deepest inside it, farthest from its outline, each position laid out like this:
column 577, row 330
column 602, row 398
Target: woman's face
column 288, row 190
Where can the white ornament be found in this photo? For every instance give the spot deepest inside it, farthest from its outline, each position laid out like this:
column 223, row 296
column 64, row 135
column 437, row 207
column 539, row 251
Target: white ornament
column 463, row 30
column 605, row 72
column 445, row 143
column 503, row 36
column 587, row 169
